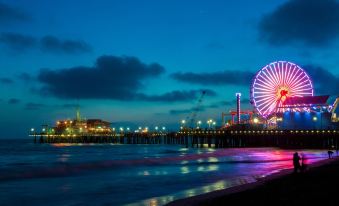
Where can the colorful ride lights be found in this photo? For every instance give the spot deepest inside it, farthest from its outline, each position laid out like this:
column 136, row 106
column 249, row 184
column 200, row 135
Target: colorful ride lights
column 274, row 83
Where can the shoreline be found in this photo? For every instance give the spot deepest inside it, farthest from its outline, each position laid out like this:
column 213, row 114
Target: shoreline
column 212, row 198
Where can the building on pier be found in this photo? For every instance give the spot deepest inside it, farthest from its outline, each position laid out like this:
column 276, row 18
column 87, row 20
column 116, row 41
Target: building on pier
column 80, row 126
column 309, row 112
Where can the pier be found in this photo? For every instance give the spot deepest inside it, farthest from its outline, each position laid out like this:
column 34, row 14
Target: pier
column 317, row 139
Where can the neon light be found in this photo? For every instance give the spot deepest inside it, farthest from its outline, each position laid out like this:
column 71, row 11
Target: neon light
column 277, row 81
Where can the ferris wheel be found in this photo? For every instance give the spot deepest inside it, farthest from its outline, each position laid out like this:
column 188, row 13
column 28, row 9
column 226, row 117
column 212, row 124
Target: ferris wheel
column 274, row 83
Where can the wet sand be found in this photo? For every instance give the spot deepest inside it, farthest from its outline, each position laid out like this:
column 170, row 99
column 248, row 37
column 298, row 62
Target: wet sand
column 319, row 184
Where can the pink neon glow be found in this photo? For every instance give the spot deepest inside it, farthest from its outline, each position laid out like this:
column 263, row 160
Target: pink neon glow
column 277, row 81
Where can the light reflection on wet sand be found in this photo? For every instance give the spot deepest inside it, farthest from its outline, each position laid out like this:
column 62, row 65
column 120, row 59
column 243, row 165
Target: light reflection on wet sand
column 219, row 185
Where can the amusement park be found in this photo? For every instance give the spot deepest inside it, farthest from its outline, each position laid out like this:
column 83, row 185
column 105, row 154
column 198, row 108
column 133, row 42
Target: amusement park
column 282, row 96
column 283, row 103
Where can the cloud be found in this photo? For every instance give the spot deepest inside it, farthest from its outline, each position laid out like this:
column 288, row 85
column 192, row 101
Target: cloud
column 5, row 80
column 34, row 106
column 18, row 42
column 49, row 44
column 215, row 78
column 14, row 101
column 10, row 14
column 310, row 22
column 324, row 82
column 111, row 77
column 176, row 96
column 55, row 45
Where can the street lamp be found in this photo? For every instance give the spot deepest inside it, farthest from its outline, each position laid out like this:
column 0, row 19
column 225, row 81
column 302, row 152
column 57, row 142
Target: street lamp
column 198, row 124
column 183, row 124
column 214, row 123
column 209, row 122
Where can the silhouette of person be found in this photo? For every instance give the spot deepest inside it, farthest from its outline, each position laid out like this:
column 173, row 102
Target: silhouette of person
column 296, row 162
column 329, row 154
column 304, row 162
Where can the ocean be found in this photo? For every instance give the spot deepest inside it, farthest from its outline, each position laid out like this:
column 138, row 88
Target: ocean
column 107, row 174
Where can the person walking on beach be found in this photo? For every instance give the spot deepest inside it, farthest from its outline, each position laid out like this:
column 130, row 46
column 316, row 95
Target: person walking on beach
column 296, row 162
column 329, row 154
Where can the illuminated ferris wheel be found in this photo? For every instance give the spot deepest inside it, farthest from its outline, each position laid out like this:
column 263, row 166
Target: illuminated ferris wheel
column 274, row 83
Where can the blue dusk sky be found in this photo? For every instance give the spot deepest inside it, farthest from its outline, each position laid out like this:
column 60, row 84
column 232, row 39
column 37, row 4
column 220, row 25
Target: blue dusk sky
column 145, row 62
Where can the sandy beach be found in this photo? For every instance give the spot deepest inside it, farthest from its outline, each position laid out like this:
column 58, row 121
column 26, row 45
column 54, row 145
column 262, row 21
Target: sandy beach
column 318, row 184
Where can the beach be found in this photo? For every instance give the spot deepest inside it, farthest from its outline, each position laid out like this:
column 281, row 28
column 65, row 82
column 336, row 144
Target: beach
column 317, row 185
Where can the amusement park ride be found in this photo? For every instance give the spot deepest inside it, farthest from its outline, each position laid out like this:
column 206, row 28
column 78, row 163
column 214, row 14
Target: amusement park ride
column 283, row 92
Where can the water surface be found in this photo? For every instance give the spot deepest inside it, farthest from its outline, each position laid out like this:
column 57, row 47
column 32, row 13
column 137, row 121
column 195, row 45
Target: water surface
column 94, row 174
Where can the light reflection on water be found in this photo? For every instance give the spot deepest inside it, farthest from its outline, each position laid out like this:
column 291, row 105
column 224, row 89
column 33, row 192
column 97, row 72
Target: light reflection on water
column 149, row 174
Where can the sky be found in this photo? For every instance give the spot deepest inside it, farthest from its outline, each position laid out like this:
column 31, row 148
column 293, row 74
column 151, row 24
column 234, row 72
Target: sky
column 146, row 63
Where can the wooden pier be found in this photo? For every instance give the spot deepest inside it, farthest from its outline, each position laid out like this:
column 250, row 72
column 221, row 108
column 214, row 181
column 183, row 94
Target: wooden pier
column 320, row 139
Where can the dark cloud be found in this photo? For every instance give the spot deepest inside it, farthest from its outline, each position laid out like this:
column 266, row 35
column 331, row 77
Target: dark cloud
column 324, row 82
column 55, row 45
column 11, row 14
column 49, row 44
column 311, row 22
column 18, row 42
column 215, row 78
column 14, row 101
column 34, row 106
column 5, row 80
column 175, row 96
column 111, row 77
